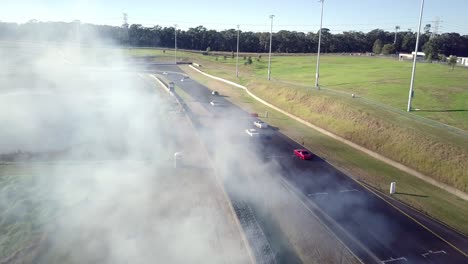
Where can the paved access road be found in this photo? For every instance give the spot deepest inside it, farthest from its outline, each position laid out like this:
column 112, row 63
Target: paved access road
column 373, row 229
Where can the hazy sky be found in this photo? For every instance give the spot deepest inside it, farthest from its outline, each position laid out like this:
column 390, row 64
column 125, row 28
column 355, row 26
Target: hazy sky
column 301, row 15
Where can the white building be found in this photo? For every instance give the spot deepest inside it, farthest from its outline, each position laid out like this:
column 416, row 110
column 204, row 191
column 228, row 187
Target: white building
column 462, row 61
column 405, row 56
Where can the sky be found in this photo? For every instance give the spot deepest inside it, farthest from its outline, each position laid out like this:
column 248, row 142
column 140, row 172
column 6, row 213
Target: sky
column 251, row 15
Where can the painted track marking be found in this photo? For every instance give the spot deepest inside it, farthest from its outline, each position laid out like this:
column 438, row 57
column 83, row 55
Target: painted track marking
column 412, row 218
column 433, row 252
column 393, row 260
column 350, row 190
column 319, row 193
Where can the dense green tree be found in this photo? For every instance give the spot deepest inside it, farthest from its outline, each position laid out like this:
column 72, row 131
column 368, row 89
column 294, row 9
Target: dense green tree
column 377, row 48
column 431, row 49
column 452, row 61
column 200, row 38
column 388, row 49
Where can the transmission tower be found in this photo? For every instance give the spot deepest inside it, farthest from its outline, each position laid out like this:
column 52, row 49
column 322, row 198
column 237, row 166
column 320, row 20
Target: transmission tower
column 126, row 38
column 125, row 20
column 436, row 22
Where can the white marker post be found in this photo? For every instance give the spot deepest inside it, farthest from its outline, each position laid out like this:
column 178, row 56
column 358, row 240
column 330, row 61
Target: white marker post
column 392, row 187
column 177, row 156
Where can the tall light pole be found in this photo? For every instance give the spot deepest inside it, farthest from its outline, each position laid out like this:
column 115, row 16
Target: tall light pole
column 175, row 44
column 410, row 97
column 396, row 32
column 318, row 50
column 237, row 59
column 271, row 38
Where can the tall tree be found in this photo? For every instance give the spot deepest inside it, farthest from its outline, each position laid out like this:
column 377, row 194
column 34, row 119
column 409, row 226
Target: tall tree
column 377, row 48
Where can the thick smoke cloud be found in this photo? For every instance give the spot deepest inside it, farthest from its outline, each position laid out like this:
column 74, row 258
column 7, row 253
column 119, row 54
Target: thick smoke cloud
column 101, row 143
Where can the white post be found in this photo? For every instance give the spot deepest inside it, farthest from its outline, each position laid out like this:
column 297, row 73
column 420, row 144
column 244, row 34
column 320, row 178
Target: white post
column 318, row 50
column 175, row 44
column 271, row 38
column 410, row 97
column 177, row 156
column 392, row 187
column 237, row 59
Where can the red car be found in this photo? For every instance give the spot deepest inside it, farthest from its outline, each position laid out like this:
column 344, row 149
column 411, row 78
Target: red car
column 303, row 154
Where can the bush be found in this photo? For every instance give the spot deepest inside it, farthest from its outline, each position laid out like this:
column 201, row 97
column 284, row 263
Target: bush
column 249, row 60
column 388, row 49
column 216, row 58
column 225, row 57
column 245, row 57
column 442, row 58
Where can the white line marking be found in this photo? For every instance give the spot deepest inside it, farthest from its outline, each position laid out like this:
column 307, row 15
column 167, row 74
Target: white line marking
column 350, row 190
column 392, row 260
column 277, row 156
column 320, row 193
column 433, row 252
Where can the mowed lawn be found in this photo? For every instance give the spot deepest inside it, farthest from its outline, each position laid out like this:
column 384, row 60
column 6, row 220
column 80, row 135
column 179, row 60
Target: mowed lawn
column 441, row 93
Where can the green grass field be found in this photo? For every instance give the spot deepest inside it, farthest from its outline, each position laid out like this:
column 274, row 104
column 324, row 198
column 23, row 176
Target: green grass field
column 441, row 94
column 25, row 209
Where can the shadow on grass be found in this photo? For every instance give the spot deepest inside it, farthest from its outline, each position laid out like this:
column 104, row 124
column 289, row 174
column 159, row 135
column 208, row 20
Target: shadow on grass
column 443, row 110
column 364, row 82
column 412, row 194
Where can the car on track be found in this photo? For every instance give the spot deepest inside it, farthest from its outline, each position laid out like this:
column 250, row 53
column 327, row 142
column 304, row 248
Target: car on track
column 252, row 132
column 214, row 93
column 303, row 154
column 184, row 78
column 215, row 103
column 260, row 124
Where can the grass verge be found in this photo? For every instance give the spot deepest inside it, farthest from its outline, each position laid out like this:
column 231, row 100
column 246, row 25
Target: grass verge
column 432, row 200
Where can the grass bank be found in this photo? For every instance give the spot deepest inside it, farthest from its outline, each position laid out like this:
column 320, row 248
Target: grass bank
column 431, row 200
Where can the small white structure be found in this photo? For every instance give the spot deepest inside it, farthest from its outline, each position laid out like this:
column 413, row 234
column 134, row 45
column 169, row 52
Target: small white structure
column 405, row 56
column 177, row 157
column 392, row 187
column 462, row 61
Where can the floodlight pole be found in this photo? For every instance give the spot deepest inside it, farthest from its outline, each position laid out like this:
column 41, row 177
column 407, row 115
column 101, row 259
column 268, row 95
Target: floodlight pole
column 410, row 97
column 237, row 58
column 318, row 50
column 175, row 44
column 271, row 38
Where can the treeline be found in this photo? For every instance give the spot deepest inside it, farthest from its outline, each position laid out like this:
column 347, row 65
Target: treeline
column 200, row 38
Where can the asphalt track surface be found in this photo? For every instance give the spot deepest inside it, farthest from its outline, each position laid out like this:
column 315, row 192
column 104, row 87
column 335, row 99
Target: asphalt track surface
column 370, row 227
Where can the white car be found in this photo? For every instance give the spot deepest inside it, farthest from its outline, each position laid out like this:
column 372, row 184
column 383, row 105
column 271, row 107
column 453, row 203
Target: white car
column 214, row 103
column 252, row 132
column 260, row 124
